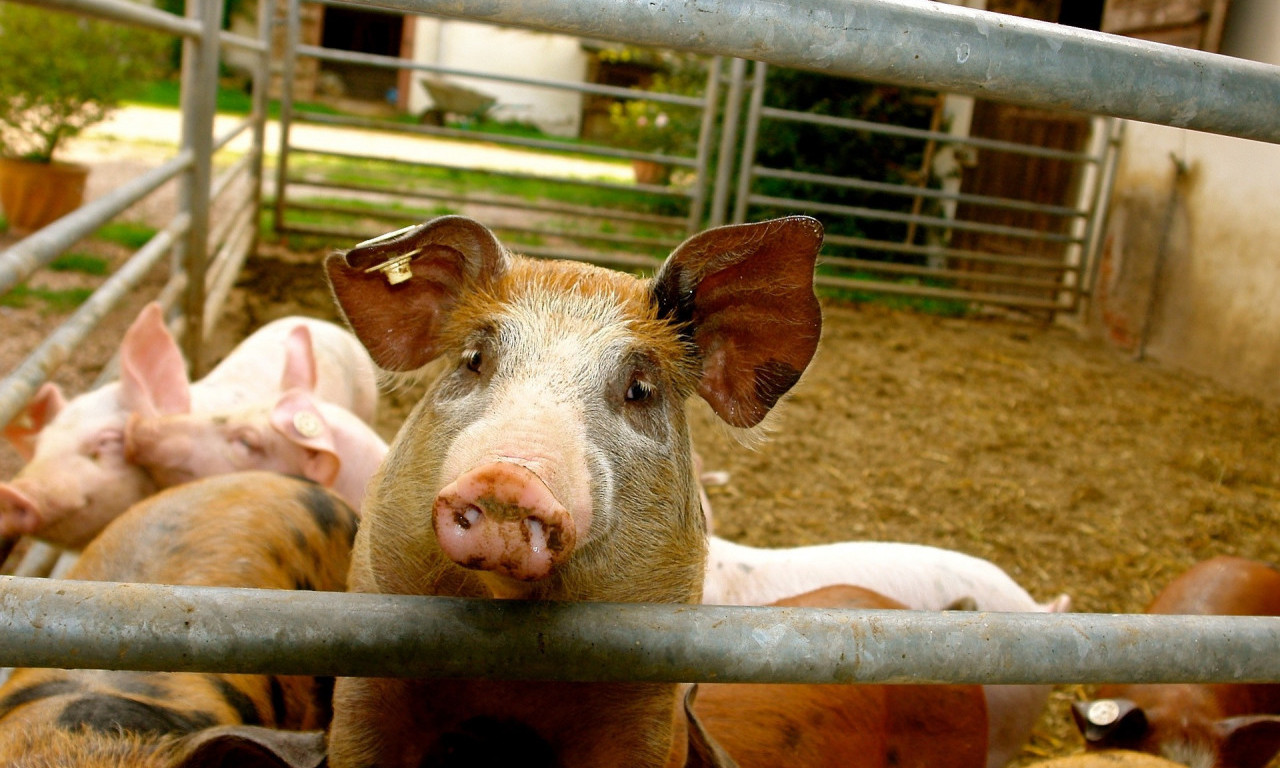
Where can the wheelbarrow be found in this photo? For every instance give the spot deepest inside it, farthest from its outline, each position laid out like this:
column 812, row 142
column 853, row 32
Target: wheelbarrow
column 453, row 99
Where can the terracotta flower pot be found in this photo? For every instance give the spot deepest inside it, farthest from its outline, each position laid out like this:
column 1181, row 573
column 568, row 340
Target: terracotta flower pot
column 35, row 194
column 649, row 172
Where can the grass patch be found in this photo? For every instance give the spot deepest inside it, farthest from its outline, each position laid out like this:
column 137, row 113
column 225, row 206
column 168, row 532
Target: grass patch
column 234, row 101
column 129, row 234
column 80, row 262
column 55, row 301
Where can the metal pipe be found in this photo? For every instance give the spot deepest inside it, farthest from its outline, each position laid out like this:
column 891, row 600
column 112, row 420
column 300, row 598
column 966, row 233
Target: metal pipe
column 710, row 103
column 124, row 12
column 929, row 45
column 728, row 138
column 18, row 387
column 143, row 626
column 31, row 253
column 746, row 159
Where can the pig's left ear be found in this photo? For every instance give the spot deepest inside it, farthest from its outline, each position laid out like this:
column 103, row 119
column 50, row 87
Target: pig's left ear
column 397, row 290
column 153, row 375
column 299, row 361
column 1250, row 741
column 299, row 420
column 744, row 293
column 246, row 746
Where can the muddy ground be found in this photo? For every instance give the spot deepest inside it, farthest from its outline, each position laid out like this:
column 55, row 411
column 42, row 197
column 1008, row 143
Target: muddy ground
column 1070, row 465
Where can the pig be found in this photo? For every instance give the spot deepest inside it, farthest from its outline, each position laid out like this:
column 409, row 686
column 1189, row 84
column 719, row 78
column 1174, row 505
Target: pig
column 77, row 478
column 815, row 726
column 549, row 459
column 1117, row 758
column 259, row 530
column 297, row 434
column 1222, row 725
column 920, row 577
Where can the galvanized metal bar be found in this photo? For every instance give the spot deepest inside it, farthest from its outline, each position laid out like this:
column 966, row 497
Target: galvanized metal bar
column 1098, row 221
column 222, row 183
column 20, row 260
column 258, row 97
column 907, row 190
column 1030, row 262
column 942, row 137
column 288, row 73
column 350, row 121
column 125, row 12
column 199, row 71
column 750, row 135
column 1020, row 301
column 928, row 45
column 18, row 387
column 229, row 260
column 393, row 62
column 235, row 40
column 894, row 268
column 934, row 221
column 124, row 626
column 702, row 155
column 728, row 138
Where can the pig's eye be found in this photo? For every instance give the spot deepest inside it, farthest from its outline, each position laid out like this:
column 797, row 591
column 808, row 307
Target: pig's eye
column 473, row 359
column 247, row 441
column 107, row 443
column 639, row 391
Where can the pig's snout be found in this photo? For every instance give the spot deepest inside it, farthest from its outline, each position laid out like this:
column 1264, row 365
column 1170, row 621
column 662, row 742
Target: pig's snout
column 19, row 513
column 501, row 517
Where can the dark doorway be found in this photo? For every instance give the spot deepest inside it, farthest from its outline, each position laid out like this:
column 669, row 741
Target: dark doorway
column 349, row 29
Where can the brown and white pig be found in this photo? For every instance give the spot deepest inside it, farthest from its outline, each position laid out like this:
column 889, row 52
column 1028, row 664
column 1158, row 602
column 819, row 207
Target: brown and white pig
column 1201, row 725
column 550, row 459
column 297, row 434
column 260, row 530
column 846, row 726
column 77, row 478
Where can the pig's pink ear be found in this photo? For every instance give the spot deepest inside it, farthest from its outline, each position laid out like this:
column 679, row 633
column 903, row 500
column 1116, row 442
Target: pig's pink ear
column 248, row 746
column 1250, row 741
column 299, row 361
column 397, row 290
column 153, row 375
column 299, row 420
column 744, row 295
column 25, row 428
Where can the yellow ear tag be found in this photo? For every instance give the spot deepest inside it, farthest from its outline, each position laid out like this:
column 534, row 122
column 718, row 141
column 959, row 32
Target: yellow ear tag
column 396, row 268
column 307, row 424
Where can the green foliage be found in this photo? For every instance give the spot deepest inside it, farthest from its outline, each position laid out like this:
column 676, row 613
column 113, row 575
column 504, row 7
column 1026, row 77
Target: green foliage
column 80, row 262
column 652, row 126
column 55, row 300
column 61, row 73
column 131, row 235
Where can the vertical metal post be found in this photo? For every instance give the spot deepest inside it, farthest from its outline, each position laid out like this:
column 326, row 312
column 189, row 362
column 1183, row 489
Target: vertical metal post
column 710, row 100
column 749, row 143
column 1088, row 274
column 728, row 138
column 261, row 87
column 199, row 98
column 288, row 70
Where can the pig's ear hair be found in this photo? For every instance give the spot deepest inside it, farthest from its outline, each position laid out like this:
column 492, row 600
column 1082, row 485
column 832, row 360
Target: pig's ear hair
column 247, row 746
column 153, row 375
column 744, row 295
column 1249, row 741
column 25, row 428
column 299, row 361
column 396, row 290
column 301, row 422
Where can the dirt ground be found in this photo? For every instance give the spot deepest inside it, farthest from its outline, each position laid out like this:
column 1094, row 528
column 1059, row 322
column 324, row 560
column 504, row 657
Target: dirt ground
column 1071, row 466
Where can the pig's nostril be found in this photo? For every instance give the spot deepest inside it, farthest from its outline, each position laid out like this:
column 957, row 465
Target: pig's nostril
column 536, row 533
column 468, row 517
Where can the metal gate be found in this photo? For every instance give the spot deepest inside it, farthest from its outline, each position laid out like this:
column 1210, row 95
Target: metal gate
column 951, row 238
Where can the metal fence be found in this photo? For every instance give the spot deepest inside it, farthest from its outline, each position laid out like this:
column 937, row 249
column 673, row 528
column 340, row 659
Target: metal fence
column 924, row 45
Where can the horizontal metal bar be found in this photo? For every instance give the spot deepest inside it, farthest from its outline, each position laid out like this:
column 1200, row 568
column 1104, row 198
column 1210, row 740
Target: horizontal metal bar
column 927, row 45
column 941, row 137
column 394, row 62
column 495, row 138
column 35, row 251
column 879, row 214
column 136, row 626
column 907, row 190
column 884, row 246
column 1019, row 300
column 126, row 12
column 243, row 42
column 18, row 387
column 894, row 268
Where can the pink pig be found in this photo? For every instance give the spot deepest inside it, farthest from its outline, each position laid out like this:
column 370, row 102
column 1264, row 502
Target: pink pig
column 297, row 434
column 77, row 478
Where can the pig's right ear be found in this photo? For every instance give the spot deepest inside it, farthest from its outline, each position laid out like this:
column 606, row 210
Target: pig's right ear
column 247, row 746
column 297, row 418
column 396, row 290
column 153, row 375
column 25, row 427
column 743, row 294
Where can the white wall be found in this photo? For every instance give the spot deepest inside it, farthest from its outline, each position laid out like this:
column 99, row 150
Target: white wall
column 1216, row 226
column 500, row 50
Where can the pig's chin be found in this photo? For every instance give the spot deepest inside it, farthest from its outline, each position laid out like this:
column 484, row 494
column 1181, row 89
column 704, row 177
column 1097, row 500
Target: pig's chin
column 506, row 588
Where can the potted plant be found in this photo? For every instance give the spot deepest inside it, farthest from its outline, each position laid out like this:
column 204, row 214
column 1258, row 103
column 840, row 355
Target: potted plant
column 62, row 73
column 655, row 127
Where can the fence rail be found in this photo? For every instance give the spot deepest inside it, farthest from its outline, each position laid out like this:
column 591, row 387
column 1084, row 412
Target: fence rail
column 137, row 626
